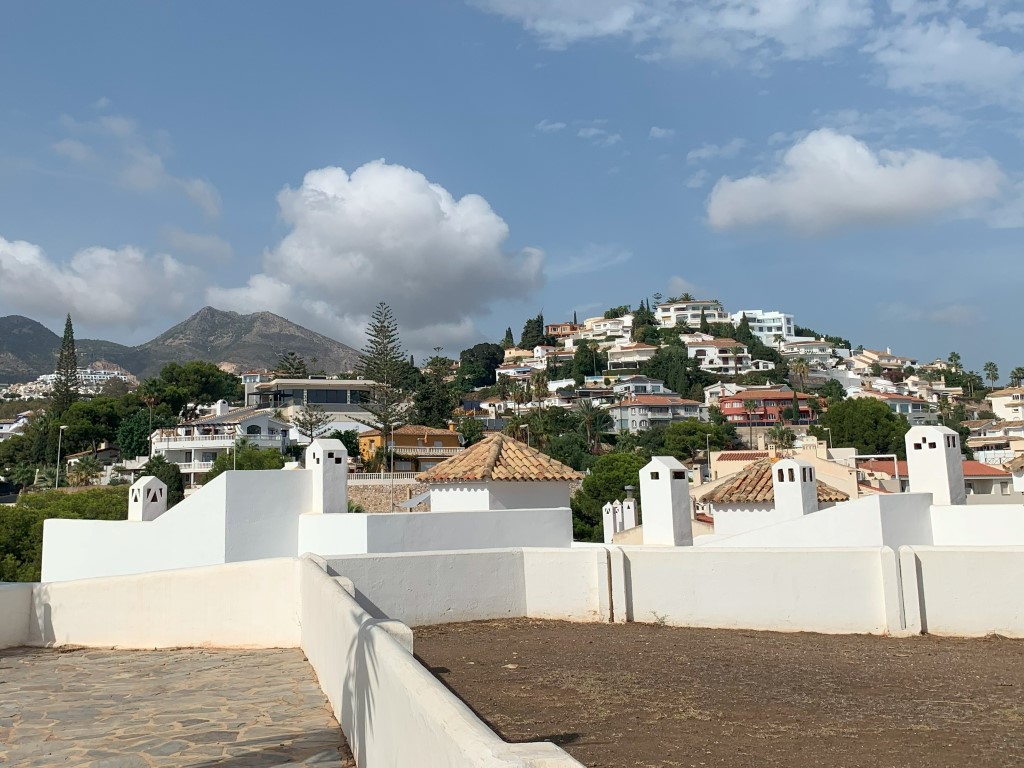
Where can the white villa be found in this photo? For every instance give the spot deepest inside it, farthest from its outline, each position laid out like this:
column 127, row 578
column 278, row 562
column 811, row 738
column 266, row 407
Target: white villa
column 688, row 313
column 767, row 325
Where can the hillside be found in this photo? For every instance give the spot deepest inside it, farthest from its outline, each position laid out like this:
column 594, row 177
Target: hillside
column 238, row 342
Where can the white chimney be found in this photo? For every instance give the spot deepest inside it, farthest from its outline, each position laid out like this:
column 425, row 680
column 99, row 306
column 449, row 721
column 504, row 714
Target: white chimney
column 147, row 499
column 221, row 408
column 327, row 461
column 665, row 490
column 935, row 464
column 795, row 487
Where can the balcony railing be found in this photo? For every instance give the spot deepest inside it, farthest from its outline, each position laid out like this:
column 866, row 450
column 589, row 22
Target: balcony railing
column 178, row 441
column 415, row 450
column 196, row 466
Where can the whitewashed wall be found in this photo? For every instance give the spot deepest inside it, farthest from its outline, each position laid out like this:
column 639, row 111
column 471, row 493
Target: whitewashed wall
column 15, row 609
column 979, row 525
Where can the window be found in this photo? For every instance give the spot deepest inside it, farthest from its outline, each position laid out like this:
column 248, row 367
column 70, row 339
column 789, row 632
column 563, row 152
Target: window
column 655, row 476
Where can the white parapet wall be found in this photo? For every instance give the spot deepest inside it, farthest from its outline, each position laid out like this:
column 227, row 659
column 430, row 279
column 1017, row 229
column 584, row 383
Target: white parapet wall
column 852, row 590
column 393, row 711
column 15, row 612
column 439, row 587
column 963, row 591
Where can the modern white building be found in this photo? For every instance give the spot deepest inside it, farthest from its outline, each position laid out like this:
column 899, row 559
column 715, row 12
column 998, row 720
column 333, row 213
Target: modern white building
column 638, row 413
column 767, row 325
column 818, row 354
column 630, row 356
column 726, row 357
column 688, row 313
column 1008, row 403
column 341, row 399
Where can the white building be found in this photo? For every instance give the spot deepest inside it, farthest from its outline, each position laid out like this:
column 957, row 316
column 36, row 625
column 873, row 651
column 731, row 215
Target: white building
column 817, row 354
column 341, row 399
column 196, row 444
column 688, row 313
column 630, row 356
column 767, row 325
column 13, row 426
column 640, row 385
column 1008, row 403
column 638, row 413
column 726, row 357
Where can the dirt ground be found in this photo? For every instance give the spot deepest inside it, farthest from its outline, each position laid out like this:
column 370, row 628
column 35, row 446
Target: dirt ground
column 648, row 695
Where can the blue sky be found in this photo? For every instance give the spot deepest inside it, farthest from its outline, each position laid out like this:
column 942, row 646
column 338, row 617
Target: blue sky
column 855, row 163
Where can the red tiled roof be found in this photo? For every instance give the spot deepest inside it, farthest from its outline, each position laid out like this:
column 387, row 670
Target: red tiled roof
column 410, row 429
column 499, row 457
column 742, row 456
column 754, row 484
column 971, row 468
column 765, row 394
column 977, row 469
column 1016, row 465
column 658, row 400
column 883, row 465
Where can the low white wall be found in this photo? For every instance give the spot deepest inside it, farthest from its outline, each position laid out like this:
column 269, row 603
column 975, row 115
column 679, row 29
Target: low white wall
column 419, row 532
column 239, row 605
column 740, row 518
column 15, row 611
column 568, row 584
column 529, row 495
column 391, row 708
column 966, row 591
column 819, row 590
column 979, row 525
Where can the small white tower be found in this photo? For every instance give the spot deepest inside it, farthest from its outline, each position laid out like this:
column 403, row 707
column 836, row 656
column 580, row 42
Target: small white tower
column 611, row 518
column 795, row 488
column 147, row 499
column 327, row 460
column 665, row 490
column 935, row 464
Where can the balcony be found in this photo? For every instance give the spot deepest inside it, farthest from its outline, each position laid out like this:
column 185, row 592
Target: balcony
column 195, row 466
column 417, row 450
column 179, row 442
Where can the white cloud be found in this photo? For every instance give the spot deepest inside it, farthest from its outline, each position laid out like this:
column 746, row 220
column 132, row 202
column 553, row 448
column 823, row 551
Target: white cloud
column 827, row 181
column 208, row 246
column 661, row 133
column 595, row 258
column 547, row 126
column 135, row 160
column 100, row 287
column 75, row 151
column 949, row 54
column 386, row 233
column 739, row 31
column 698, row 179
column 678, row 286
column 598, row 136
column 706, row 152
column 101, row 103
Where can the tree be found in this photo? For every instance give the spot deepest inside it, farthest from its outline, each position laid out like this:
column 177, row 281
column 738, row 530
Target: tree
column 533, row 332
column 587, row 360
column 691, row 438
column 954, row 360
column 799, row 370
column 705, row 326
column 595, row 421
column 781, row 436
column 743, row 332
column 163, row 470
column 133, row 433
column 991, row 372
column 292, row 366
column 350, row 439
column 1017, row 376
column 832, row 391
column 472, row 430
column 509, row 341
column 606, row 482
column 84, row 471
column 66, row 384
column 383, row 362
column 539, row 386
column 197, row 381
column 311, row 421
column 435, row 399
column 614, row 312
column 245, row 456
column 864, row 423
column 487, row 358
column 643, row 319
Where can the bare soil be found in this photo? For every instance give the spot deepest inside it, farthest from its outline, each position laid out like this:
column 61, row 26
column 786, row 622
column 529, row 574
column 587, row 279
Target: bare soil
column 649, row 695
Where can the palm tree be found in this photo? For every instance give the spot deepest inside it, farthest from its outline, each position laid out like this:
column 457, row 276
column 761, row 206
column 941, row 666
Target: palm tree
column 750, row 407
column 738, row 350
column 1017, row 376
column 84, row 471
column 799, row 370
column 954, row 360
column 595, row 421
column 519, row 394
column 781, row 436
column 539, row 385
column 991, row 372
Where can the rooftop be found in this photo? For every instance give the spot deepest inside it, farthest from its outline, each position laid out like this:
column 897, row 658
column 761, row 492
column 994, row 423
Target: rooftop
column 410, row 429
column 754, row 484
column 498, row 457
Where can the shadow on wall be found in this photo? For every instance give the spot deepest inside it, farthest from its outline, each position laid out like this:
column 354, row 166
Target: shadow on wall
column 308, row 747
column 360, row 682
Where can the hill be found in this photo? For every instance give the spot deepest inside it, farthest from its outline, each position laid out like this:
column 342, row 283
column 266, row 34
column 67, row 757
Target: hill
column 238, row 342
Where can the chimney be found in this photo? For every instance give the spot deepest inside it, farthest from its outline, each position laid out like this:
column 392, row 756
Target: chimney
column 221, row 408
column 795, row 487
column 665, row 489
column 147, row 499
column 451, row 425
column 935, row 464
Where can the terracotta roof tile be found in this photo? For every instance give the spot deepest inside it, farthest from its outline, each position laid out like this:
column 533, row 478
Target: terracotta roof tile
column 978, row 469
column 1016, row 465
column 410, row 429
column 498, row 457
column 745, row 456
column 754, row 485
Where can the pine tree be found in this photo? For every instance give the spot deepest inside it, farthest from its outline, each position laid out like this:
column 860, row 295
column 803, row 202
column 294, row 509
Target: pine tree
column 65, row 385
column 382, row 362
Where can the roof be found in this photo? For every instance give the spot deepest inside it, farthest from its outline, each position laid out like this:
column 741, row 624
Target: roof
column 745, row 456
column 766, row 394
column 499, row 457
column 1006, row 392
column 716, row 343
column 1016, row 465
column 976, row 423
column 977, row 469
column 233, row 416
column 884, row 465
column 410, row 429
column 635, row 345
column 658, row 400
column 754, row 484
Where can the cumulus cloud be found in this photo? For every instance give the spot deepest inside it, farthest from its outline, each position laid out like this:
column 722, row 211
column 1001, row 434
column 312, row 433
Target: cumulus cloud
column 207, row 246
column 385, row 232
column 707, row 152
column 100, row 287
column 828, row 181
column 118, row 147
column 739, row 31
column 661, row 133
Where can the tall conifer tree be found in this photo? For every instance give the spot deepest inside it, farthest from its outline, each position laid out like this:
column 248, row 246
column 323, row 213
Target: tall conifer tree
column 382, row 362
column 66, row 384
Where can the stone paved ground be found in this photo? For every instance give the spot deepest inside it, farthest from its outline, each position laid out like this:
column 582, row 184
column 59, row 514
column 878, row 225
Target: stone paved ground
column 150, row 709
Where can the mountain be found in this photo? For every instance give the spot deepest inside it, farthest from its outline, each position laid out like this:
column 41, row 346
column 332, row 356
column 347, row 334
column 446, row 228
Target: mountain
column 236, row 342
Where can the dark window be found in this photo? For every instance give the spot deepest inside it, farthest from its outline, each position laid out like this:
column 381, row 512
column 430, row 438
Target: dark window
column 655, row 475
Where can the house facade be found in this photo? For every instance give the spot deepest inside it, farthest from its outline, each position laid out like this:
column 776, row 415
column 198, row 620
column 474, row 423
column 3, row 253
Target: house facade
column 639, row 413
column 917, row 411
column 630, row 356
column 765, row 408
column 670, row 315
column 1008, row 404
column 417, row 448
column 767, row 325
column 726, row 357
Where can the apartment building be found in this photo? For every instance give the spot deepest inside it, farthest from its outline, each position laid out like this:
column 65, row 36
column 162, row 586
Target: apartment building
column 727, row 357
column 640, row 385
column 767, row 325
column 416, row 447
column 341, row 399
column 818, row 353
column 630, row 356
column 765, row 408
column 688, row 313
column 637, row 413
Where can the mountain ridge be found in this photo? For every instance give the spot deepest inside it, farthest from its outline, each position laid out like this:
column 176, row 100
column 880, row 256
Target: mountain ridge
column 232, row 340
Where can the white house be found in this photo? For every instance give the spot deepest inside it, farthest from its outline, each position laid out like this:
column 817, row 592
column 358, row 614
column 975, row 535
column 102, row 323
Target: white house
column 640, row 385
column 722, row 356
column 688, row 313
column 499, row 472
column 630, row 356
column 1008, row 403
column 767, row 325
column 817, row 354
column 13, row 426
column 638, row 413
column 196, row 444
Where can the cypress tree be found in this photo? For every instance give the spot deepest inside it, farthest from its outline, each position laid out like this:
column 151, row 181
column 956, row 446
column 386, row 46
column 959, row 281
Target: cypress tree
column 65, row 385
column 509, row 341
column 705, row 326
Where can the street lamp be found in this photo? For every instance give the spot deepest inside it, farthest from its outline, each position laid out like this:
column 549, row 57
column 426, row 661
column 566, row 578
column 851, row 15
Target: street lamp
column 829, row 430
column 60, row 435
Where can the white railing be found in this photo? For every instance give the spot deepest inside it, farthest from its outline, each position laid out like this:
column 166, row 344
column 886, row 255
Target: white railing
column 179, row 440
column 196, row 466
column 409, row 450
column 382, row 475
